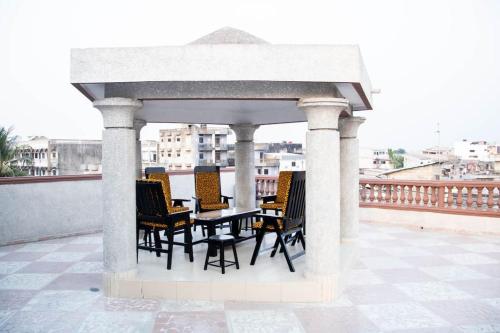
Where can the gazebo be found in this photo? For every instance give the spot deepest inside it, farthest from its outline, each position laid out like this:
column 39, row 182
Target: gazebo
column 233, row 78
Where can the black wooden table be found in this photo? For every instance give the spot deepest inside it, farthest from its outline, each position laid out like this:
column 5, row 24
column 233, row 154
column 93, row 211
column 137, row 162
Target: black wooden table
column 215, row 217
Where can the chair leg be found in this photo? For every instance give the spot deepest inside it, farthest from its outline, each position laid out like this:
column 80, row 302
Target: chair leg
column 235, row 255
column 170, row 248
column 188, row 243
column 222, row 258
column 260, row 236
column 275, row 247
column 206, row 260
column 156, row 234
column 137, row 243
column 285, row 252
column 302, row 240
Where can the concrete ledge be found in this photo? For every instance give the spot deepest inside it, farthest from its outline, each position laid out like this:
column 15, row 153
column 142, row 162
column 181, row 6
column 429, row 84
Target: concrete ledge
column 434, row 221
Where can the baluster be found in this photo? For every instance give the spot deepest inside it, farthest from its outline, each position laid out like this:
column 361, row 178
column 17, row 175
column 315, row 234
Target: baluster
column 418, row 198
column 403, row 194
column 490, row 197
column 434, row 197
column 372, row 193
column 395, row 194
column 459, row 196
column 387, row 193
column 440, row 196
column 469, row 201
column 410, row 195
column 480, row 197
column 379, row 193
column 450, row 196
column 426, row 195
column 363, row 193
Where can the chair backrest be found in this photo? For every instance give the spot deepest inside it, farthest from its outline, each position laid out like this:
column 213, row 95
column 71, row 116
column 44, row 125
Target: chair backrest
column 165, row 184
column 207, row 184
column 296, row 202
column 151, row 170
column 150, row 201
column 284, row 180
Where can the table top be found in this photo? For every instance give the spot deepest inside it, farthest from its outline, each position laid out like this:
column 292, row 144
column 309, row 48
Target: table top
column 224, row 213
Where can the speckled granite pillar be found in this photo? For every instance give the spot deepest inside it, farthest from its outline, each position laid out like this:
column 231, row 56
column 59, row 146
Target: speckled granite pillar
column 349, row 177
column 118, row 174
column 138, row 125
column 323, row 190
column 245, row 165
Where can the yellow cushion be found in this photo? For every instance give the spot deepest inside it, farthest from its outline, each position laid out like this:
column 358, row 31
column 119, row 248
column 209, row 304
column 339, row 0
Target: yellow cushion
column 284, row 182
column 208, row 187
column 178, row 224
column 214, row 206
column 272, row 205
column 258, row 225
column 176, row 209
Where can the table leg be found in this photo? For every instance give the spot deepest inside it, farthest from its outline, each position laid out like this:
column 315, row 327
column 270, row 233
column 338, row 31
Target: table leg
column 212, row 250
column 236, row 228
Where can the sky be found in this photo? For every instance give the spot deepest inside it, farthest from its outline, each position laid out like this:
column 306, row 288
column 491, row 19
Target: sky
column 434, row 61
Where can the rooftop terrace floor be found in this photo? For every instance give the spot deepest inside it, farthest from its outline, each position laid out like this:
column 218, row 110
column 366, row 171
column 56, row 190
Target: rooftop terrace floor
column 405, row 281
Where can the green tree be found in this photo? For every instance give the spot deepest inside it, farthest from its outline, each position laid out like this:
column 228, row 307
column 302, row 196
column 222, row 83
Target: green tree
column 9, row 166
column 396, row 159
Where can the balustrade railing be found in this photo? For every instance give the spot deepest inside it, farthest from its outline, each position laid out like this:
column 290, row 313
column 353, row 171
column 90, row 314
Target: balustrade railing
column 454, row 197
column 266, row 185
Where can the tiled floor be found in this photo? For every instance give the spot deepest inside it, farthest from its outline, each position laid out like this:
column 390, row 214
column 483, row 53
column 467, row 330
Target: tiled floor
column 405, row 281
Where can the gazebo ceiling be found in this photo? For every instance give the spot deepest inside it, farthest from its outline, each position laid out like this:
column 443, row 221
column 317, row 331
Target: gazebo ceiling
column 226, row 77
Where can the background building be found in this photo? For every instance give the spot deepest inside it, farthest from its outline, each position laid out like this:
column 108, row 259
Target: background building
column 149, row 153
column 190, row 145
column 51, row 157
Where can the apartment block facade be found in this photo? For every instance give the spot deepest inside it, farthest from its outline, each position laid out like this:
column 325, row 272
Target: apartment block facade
column 191, row 145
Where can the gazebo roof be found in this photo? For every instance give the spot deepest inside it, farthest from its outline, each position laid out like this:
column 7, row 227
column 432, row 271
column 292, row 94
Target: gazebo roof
column 226, row 77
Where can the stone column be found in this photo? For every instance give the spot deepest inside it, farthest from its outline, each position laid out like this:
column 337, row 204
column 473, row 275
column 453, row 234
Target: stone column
column 118, row 178
column 245, row 165
column 323, row 190
column 349, row 177
column 138, row 125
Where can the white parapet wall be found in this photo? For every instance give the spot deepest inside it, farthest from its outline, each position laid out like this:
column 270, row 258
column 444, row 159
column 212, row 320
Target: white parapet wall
column 468, row 224
column 36, row 210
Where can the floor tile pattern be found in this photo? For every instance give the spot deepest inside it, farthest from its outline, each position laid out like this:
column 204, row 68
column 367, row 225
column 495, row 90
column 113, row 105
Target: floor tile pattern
column 406, row 281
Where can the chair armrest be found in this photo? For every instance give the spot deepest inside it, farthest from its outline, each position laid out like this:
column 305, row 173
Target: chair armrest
column 179, row 202
column 179, row 216
column 226, row 197
column 268, row 216
column 268, row 198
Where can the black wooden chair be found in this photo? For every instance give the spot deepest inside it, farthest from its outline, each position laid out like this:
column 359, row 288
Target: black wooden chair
column 150, row 170
column 153, row 216
column 288, row 227
column 208, row 190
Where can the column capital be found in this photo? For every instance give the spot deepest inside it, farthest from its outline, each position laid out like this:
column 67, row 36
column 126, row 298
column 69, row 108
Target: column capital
column 348, row 127
column 118, row 112
column 244, row 132
column 138, row 125
column 323, row 112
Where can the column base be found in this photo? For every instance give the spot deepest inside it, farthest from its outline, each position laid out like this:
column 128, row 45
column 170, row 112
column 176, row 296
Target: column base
column 121, row 284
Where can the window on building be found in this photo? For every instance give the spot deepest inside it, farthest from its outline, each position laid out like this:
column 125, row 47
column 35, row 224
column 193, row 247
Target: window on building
column 293, row 163
column 169, row 140
column 266, row 171
column 178, row 139
column 163, row 155
column 217, row 155
column 154, row 157
column 178, row 154
column 54, row 154
column 217, row 140
column 36, row 155
column 169, row 155
column 42, row 155
column 54, row 172
column 200, row 140
column 259, row 171
column 201, row 156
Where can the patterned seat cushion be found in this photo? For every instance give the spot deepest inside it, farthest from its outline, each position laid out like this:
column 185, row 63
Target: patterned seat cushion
column 176, row 209
column 214, row 206
column 284, row 182
column 271, row 205
column 165, row 185
column 259, row 224
column 178, row 224
column 208, row 191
